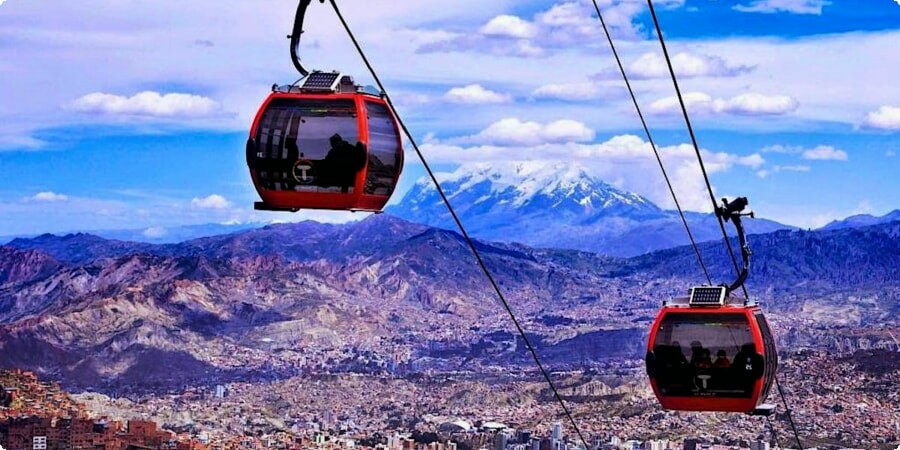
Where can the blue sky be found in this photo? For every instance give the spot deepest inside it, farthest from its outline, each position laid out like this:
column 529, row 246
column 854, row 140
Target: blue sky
column 136, row 117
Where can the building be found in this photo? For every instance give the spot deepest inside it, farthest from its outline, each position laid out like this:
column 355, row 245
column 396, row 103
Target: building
column 501, row 439
column 556, row 433
column 39, row 443
column 759, row 445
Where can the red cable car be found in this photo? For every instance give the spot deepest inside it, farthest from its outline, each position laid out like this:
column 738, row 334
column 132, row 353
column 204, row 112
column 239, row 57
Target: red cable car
column 325, row 144
column 711, row 357
column 711, row 351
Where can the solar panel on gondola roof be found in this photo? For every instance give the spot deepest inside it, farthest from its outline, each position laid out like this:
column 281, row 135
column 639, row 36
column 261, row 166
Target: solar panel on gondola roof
column 321, row 81
column 707, row 295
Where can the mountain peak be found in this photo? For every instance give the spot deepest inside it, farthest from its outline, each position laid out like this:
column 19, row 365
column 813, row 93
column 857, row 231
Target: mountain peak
column 522, row 182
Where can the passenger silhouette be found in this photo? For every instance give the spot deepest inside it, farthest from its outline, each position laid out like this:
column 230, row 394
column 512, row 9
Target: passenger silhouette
column 722, row 361
column 748, row 366
column 696, row 353
column 705, row 361
column 343, row 162
column 678, row 355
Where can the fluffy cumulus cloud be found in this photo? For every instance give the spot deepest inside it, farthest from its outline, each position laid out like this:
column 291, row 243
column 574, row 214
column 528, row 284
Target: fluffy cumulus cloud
column 686, row 65
column 147, row 104
column 750, row 104
column 509, row 26
column 48, row 196
column 512, row 131
column 565, row 24
column 475, row 94
column 788, row 6
column 626, row 161
column 824, row 153
column 885, row 118
column 214, row 201
column 578, row 91
column 818, row 153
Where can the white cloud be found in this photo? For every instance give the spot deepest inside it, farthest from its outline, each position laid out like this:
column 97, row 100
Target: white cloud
column 27, row 143
column 750, row 104
column 577, row 91
column 818, row 153
column 786, row 149
column 475, row 94
column 794, row 168
column 214, row 201
column 566, row 24
column 825, row 153
column 789, row 6
column 512, row 131
column 754, row 161
column 48, row 196
column 759, row 104
column 509, row 26
column 886, row 118
column 154, row 232
column 148, row 104
column 686, row 65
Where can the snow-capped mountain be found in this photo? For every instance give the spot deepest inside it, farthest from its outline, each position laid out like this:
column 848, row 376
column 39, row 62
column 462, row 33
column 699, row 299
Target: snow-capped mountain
column 559, row 206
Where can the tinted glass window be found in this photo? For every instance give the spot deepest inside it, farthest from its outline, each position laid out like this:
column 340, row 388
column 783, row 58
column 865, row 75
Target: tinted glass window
column 308, row 146
column 384, row 151
column 771, row 352
column 706, row 355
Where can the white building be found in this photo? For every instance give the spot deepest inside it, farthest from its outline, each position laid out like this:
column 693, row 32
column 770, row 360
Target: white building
column 39, row 443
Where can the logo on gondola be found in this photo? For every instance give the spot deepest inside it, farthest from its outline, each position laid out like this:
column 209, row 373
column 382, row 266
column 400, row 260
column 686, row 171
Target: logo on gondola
column 701, row 381
column 303, row 171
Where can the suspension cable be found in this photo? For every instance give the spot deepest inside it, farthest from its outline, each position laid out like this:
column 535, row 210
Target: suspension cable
column 690, row 128
column 787, row 409
column 712, row 196
column 774, row 432
column 662, row 167
column 462, row 229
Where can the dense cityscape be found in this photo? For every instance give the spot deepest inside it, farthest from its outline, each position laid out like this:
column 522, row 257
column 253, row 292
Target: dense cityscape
column 453, row 411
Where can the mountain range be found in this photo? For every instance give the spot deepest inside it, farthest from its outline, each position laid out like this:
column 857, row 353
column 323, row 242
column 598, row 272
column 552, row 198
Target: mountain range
column 863, row 220
column 556, row 206
column 385, row 294
column 559, row 206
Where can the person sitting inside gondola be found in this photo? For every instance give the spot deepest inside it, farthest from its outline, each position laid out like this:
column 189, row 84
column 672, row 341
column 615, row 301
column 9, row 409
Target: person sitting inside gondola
column 343, row 162
column 722, row 361
column 671, row 368
column 677, row 355
column 748, row 366
column 705, row 361
column 700, row 358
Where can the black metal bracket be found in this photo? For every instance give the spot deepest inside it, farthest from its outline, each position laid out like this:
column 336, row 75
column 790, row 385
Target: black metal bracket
column 295, row 36
column 733, row 212
column 262, row 206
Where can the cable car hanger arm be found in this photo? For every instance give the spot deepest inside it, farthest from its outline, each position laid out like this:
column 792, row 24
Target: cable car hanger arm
column 295, row 36
column 733, row 211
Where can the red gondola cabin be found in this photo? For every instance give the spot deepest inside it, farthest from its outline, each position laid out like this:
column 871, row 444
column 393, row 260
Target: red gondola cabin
column 712, row 353
column 327, row 144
